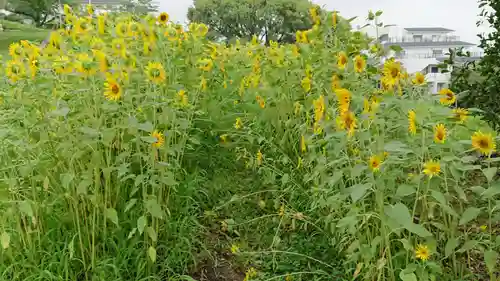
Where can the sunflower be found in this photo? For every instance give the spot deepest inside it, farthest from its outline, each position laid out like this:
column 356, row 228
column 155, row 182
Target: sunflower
column 85, row 64
column 118, row 46
column 439, row 133
column 344, row 99
column 374, row 163
column 206, row 64
column 62, row 65
column 334, row 19
column 90, row 9
column 15, row 70
column 259, row 157
column 347, row 121
column 306, row 84
column 67, row 9
column 392, row 72
column 460, row 114
column 419, row 79
column 16, row 50
column 319, row 108
column 160, row 138
column 432, row 168
column 155, row 72
column 103, row 60
column 112, row 89
column 183, row 98
column 342, row 60
column 121, row 29
column 412, row 126
column 82, row 26
column 133, row 29
column 261, row 101
column 34, row 64
column 163, row 18
column 359, row 64
column 101, row 24
column 448, row 97
column 484, row 143
column 238, row 124
column 422, row 252
column 335, row 83
column 303, row 145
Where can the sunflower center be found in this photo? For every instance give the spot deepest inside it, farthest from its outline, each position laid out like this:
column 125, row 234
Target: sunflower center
column 115, row 89
column 449, row 96
column 163, row 17
column 483, row 143
column 394, row 72
column 440, row 135
column 155, row 72
column 15, row 69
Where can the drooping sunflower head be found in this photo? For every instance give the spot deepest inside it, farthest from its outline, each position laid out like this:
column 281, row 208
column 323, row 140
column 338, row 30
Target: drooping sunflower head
column 460, row 114
column 163, row 18
column 374, row 163
column 483, row 143
column 359, row 64
column 448, row 97
column 439, row 133
column 422, row 252
column 155, row 72
column 432, row 168
column 419, row 79
column 412, row 124
column 342, row 60
column 160, row 138
column 112, row 89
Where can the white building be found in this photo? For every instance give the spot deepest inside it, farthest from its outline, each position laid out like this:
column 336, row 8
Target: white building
column 424, row 48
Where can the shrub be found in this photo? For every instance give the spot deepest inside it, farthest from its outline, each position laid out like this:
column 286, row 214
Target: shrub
column 131, row 148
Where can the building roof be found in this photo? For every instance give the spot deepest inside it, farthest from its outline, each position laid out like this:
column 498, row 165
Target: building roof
column 429, row 29
column 430, row 43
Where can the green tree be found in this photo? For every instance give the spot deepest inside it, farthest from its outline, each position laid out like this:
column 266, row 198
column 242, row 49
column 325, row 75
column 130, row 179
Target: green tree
column 40, row 11
column 479, row 82
column 267, row 19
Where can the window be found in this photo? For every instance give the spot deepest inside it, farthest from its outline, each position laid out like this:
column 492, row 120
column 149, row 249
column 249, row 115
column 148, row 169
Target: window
column 434, row 69
column 417, row 38
column 435, row 38
column 438, row 52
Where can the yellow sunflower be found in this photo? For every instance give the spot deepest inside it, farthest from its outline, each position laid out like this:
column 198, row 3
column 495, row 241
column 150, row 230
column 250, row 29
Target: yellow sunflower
column 206, row 64
column 16, row 50
column 432, row 168
column 259, row 157
column 160, row 138
column 460, row 114
column 183, row 98
column 238, row 124
column 96, row 43
column 119, row 47
column 306, row 84
column 155, row 72
column 101, row 24
column 103, row 60
column 112, row 89
column 448, row 97
column 342, row 60
column 439, row 133
column 319, row 108
column 163, row 18
column 484, row 143
column 15, row 70
column 422, row 252
column 335, row 83
column 82, row 26
column 121, row 29
column 412, row 126
column 344, row 99
column 85, row 64
column 419, row 79
column 90, row 9
column 359, row 64
column 374, row 163
column 347, row 121
column 62, row 65
column 392, row 72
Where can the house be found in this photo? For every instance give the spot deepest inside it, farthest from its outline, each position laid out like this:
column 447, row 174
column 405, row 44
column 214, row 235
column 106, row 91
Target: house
column 425, row 48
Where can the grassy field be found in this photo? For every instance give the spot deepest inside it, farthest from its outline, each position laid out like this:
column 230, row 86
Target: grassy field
column 139, row 150
column 14, row 32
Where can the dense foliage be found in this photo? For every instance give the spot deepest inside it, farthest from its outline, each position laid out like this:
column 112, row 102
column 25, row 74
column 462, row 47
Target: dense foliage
column 137, row 150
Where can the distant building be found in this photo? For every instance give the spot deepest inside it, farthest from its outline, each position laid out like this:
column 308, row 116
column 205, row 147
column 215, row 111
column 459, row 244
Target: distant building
column 424, row 48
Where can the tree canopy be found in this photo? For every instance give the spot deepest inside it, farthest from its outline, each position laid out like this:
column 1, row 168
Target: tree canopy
column 138, row 7
column 276, row 20
column 40, row 11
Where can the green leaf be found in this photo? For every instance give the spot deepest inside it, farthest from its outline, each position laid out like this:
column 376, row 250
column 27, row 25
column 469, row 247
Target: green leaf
column 152, row 254
column 132, row 232
column 396, row 48
column 154, row 208
column 407, row 276
column 469, row 214
column 400, row 214
column 450, row 247
column 491, row 191
column 146, row 126
column 405, row 190
column 378, row 13
column 418, row 229
column 130, row 204
column 469, row 245
column 112, row 215
column 489, row 173
column 358, row 191
column 490, row 259
column 5, row 240
column 141, row 224
column 152, row 234
column 25, row 208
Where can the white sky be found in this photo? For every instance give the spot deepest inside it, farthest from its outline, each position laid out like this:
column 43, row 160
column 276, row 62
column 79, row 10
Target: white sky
column 459, row 15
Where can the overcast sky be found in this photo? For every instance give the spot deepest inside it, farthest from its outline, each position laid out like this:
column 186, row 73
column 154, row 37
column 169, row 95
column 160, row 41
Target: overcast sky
column 459, row 15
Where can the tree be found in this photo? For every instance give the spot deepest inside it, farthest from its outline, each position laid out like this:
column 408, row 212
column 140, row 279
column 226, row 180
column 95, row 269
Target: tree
column 276, row 20
column 138, row 7
column 40, row 11
column 479, row 82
